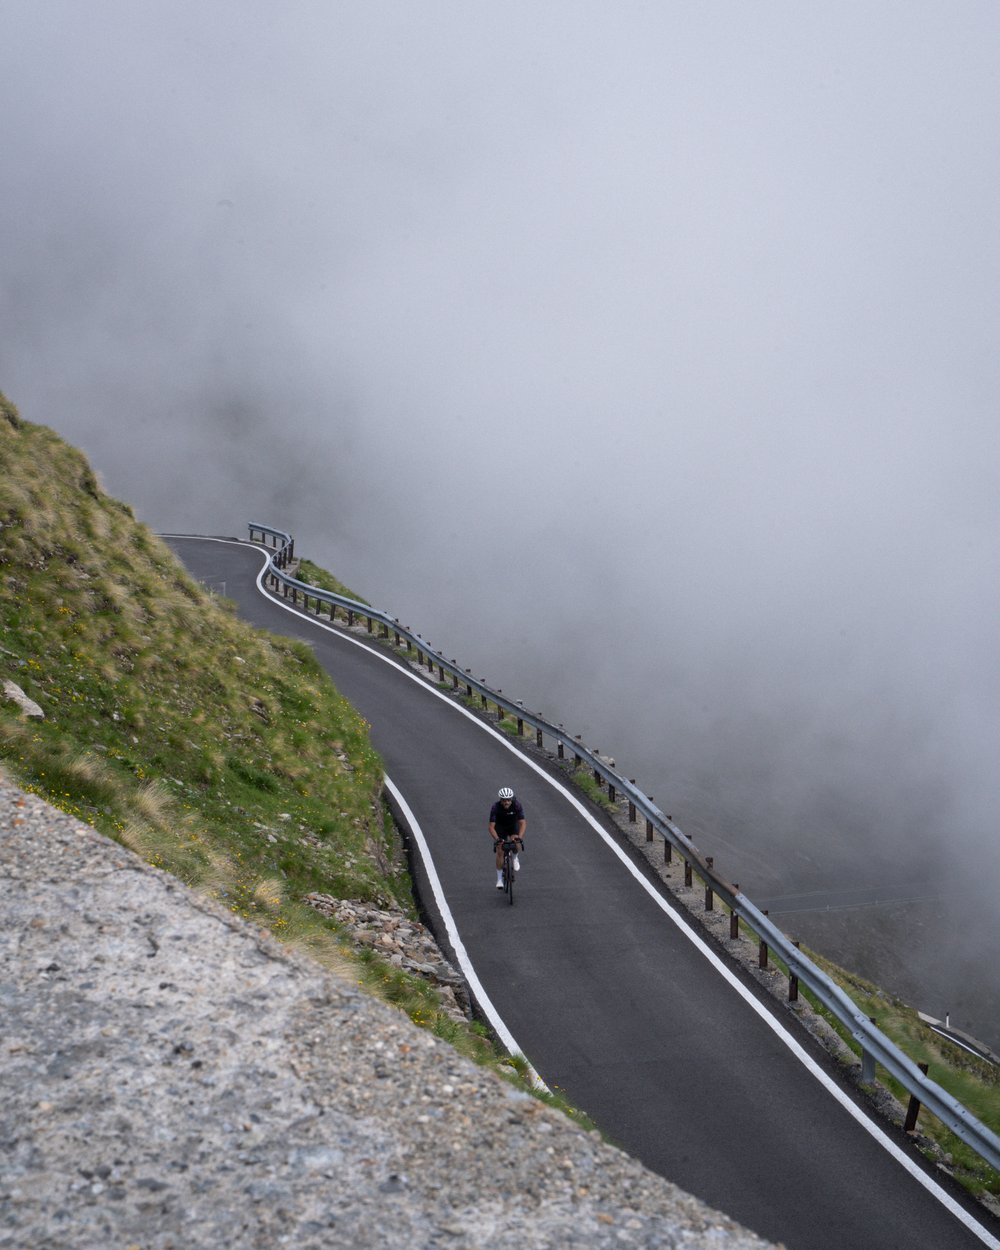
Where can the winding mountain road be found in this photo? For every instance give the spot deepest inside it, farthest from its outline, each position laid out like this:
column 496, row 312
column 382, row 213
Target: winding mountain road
column 610, row 999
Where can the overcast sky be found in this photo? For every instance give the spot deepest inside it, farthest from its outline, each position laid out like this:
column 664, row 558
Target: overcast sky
column 643, row 356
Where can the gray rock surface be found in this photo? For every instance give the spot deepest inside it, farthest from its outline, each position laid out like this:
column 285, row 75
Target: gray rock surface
column 172, row 1079
column 13, row 693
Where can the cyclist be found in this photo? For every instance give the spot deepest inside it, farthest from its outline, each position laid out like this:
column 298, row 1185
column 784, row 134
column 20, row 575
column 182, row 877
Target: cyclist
column 506, row 821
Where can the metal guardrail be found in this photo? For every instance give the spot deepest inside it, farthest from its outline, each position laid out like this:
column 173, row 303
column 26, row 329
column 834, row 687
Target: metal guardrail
column 876, row 1048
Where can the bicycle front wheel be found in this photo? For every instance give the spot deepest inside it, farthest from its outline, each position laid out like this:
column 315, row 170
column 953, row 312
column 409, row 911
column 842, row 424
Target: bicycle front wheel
column 508, row 877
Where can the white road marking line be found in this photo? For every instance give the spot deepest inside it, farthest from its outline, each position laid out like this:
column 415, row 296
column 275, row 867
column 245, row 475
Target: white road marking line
column 771, row 1021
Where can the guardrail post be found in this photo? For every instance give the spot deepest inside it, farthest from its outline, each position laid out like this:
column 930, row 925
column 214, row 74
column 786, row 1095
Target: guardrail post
column 538, row 739
column 867, row 1067
column 709, row 896
column 577, row 758
column 612, row 792
column 371, row 624
column 520, row 726
column 687, row 872
column 734, row 920
column 913, row 1110
column 350, row 617
column 631, row 804
column 762, row 951
column 793, row 983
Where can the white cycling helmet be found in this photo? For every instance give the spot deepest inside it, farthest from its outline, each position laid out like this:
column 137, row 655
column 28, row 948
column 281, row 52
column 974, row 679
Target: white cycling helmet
column 505, row 792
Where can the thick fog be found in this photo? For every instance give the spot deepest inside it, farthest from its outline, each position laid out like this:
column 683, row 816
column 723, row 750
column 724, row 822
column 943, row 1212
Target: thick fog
column 644, row 358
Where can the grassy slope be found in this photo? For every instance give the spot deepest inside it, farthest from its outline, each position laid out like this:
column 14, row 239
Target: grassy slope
column 315, row 576
column 216, row 751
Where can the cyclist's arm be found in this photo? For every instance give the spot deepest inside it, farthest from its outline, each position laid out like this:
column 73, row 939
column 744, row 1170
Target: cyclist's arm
column 493, row 831
column 522, row 824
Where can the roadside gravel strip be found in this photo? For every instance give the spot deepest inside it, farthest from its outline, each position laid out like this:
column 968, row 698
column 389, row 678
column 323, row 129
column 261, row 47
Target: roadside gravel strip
column 173, row 1078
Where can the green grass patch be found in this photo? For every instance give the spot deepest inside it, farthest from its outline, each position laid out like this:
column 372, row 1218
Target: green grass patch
column 584, row 780
column 316, row 576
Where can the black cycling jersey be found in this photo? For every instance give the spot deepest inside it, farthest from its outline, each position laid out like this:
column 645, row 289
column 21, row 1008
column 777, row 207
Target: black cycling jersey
column 506, row 819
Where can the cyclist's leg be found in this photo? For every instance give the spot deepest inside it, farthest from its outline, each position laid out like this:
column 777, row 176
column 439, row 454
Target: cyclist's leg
column 498, row 860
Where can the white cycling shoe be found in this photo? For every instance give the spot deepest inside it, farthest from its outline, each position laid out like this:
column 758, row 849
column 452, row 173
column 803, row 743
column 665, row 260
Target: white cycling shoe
column 517, row 864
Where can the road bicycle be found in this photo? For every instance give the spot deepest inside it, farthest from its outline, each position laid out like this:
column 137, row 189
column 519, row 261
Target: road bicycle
column 509, row 851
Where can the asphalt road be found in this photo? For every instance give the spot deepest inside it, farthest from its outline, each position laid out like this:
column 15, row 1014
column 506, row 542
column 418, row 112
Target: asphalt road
column 609, row 1000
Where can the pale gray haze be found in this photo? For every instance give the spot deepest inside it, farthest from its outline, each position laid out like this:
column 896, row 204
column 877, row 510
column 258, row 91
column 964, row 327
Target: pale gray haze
column 644, row 357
